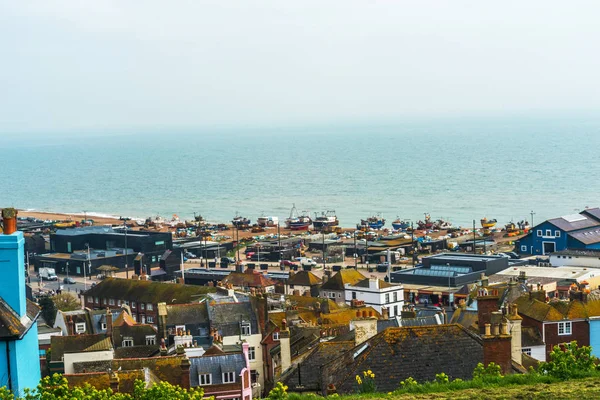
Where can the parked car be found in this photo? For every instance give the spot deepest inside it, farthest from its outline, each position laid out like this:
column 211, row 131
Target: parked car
column 69, row 281
column 288, row 263
column 228, row 260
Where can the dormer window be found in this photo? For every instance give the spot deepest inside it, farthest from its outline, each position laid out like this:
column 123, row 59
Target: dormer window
column 150, row 340
column 204, row 379
column 103, row 326
column 228, row 377
column 275, row 335
column 246, row 331
column 80, row 327
column 127, row 342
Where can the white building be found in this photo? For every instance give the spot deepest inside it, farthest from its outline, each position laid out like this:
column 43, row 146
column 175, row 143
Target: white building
column 377, row 294
column 575, row 258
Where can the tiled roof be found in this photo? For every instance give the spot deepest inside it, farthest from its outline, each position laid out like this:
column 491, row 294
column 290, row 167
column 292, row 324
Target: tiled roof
column 339, row 280
column 227, row 317
column 344, row 316
column 11, row 325
column 530, row 336
column 398, row 353
column 304, row 278
column 310, row 302
column 537, row 310
column 213, row 350
column 587, row 236
column 465, row 318
column 148, row 291
column 137, row 332
column 250, row 278
column 136, row 352
column 78, row 344
column 380, row 284
column 216, row 365
column 580, row 221
column 181, row 314
column 123, row 319
column 592, row 212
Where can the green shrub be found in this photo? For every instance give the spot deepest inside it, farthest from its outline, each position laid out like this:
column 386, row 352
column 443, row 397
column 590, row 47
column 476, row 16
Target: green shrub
column 571, row 362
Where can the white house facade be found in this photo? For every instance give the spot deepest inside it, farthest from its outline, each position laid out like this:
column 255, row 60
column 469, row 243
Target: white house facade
column 377, row 294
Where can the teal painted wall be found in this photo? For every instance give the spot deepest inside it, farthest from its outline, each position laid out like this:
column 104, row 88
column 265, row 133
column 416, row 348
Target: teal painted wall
column 12, row 268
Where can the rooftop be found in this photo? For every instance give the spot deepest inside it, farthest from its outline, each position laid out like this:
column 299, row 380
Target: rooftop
column 343, row 277
column 570, row 223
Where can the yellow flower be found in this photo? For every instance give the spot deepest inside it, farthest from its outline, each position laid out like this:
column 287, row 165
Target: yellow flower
column 389, row 393
column 365, row 373
column 369, row 372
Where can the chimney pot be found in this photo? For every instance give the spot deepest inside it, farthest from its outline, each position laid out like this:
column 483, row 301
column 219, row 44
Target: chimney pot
column 488, row 330
column 495, row 329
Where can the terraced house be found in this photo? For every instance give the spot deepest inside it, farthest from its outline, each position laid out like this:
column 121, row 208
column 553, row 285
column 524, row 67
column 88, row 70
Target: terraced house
column 142, row 297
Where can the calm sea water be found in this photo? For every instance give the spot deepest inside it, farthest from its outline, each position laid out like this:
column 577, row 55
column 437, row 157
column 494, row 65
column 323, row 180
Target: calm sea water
column 456, row 169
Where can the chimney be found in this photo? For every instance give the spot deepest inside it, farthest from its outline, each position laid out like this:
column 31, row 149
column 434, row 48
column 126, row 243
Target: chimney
column 515, row 321
column 497, row 344
column 385, row 314
column 408, row 311
column 364, row 329
column 286, row 353
column 9, row 217
column 522, row 277
column 162, row 319
column 71, row 326
column 185, row 372
column 484, row 280
column 113, row 380
column 109, row 322
column 487, row 302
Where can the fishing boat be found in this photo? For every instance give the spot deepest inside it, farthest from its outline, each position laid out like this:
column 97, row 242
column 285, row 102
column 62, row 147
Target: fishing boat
column 512, row 229
column 325, row 220
column 373, row 222
column 264, row 220
column 427, row 224
column 400, row 224
column 524, row 225
column 240, row 222
column 488, row 223
column 297, row 222
column 442, row 225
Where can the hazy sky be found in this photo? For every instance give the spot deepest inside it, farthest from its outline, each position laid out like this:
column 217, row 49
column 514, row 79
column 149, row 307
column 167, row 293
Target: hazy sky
column 101, row 65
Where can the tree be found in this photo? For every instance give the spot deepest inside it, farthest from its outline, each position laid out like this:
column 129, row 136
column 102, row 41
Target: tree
column 48, row 309
column 66, row 302
column 570, row 361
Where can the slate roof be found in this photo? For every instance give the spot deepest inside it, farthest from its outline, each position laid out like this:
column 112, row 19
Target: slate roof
column 182, row 314
column 537, row 310
column 136, row 352
column 578, row 252
column 98, row 317
column 137, row 332
column 592, row 212
column 304, row 278
column 344, row 316
column 339, row 280
column 247, row 279
column 78, row 344
column 148, row 291
column 421, row 321
column 584, row 222
column 227, row 318
column 216, row 365
column 587, row 236
column 307, row 302
column 398, row 353
column 530, row 336
column 11, row 325
column 466, row 318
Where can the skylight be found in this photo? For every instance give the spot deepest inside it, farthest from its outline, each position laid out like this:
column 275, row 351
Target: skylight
column 574, row 218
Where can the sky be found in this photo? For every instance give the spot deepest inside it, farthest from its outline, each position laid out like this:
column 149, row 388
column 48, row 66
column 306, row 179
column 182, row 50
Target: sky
column 85, row 66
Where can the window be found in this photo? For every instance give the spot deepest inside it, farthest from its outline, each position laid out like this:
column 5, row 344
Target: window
column 127, row 342
column 526, row 350
column 96, row 300
column 387, row 297
column 353, row 295
column 149, row 307
column 111, row 302
column 523, row 248
column 228, row 377
column 150, row 340
column 80, row 327
column 180, row 328
column 251, row 353
column 134, row 316
column 68, row 247
column 133, row 304
column 126, row 302
column 332, row 295
column 395, row 297
column 204, row 379
column 103, row 326
column 42, row 353
column 142, row 305
column 246, row 329
column 150, row 319
column 339, row 295
column 395, row 311
column 564, row 328
column 548, row 232
column 118, row 302
column 143, row 318
column 539, row 232
column 275, row 335
column 253, row 376
column 557, row 233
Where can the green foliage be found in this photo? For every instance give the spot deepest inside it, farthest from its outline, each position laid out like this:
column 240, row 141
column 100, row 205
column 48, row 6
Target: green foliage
column 572, row 362
column 48, row 309
column 408, row 382
column 366, row 384
column 492, row 370
column 442, row 378
column 56, row 387
column 66, row 302
column 279, row 392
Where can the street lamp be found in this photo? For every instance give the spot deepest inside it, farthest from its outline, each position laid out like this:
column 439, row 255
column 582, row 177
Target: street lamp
column 532, row 214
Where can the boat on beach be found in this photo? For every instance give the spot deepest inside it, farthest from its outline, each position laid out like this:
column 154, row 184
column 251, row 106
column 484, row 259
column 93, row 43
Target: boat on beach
column 373, row 222
column 400, row 224
column 297, row 222
column 264, row 220
column 325, row 220
column 240, row 222
column 488, row 223
column 426, row 224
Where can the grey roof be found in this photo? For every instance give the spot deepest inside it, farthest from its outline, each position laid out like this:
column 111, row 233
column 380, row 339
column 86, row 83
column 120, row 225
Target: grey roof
column 592, row 212
column 587, row 236
column 383, row 324
column 216, row 365
column 98, row 318
column 578, row 252
column 227, row 318
column 421, row 321
column 530, row 336
column 569, row 225
column 186, row 314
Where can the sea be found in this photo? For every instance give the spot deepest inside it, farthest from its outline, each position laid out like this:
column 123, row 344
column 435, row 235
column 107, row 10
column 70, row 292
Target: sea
column 458, row 169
